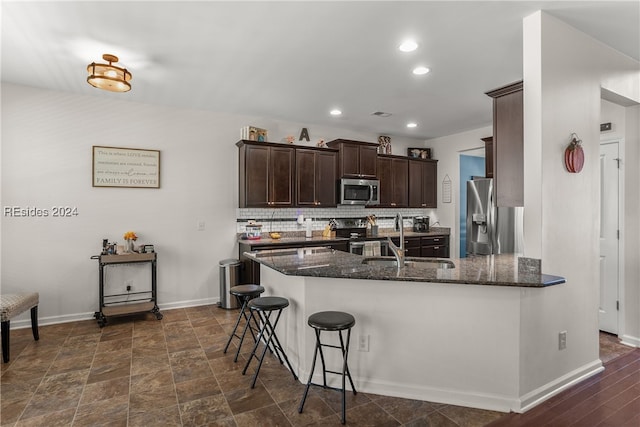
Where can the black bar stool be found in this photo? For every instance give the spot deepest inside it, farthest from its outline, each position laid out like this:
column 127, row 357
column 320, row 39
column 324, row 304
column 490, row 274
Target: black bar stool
column 331, row 321
column 244, row 294
column 264, row 307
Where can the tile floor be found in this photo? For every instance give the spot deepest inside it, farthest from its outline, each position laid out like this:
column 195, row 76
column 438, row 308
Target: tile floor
column 138, row 371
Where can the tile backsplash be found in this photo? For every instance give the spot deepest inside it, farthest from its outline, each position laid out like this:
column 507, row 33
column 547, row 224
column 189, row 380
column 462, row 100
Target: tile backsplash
column 285, row 219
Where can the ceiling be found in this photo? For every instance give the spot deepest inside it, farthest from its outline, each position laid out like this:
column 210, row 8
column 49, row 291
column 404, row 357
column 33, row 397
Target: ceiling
column 298, row 60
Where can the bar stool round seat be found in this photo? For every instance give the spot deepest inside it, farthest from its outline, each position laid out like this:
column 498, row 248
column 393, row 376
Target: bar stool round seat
column 268, row 303
column 331, row 321
column 263, row 308
column 246, row 290
column 243, row 294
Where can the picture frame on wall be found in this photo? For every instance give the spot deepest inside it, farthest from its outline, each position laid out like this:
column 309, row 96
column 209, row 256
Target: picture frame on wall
column 419, row 153
column 125, row 167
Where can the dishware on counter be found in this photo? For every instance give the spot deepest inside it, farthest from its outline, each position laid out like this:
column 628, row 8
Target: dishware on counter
column 308, row 227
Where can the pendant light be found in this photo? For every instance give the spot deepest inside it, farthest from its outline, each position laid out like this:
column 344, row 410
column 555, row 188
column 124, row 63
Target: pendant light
column 108, row 76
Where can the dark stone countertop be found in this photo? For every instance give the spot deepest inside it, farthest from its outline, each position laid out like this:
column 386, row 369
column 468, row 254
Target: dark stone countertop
column 492, row 270
column 293, row 238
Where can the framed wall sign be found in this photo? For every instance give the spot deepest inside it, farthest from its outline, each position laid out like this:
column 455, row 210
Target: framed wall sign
column 126, row 167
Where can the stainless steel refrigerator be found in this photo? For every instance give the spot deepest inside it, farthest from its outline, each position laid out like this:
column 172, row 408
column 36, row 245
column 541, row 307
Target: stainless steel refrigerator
column 490, row 229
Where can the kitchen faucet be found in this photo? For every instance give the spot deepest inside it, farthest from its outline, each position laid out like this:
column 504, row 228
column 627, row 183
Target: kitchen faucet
column 398, row 252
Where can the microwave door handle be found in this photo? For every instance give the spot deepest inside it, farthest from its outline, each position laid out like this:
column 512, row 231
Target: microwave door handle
column 370, row 191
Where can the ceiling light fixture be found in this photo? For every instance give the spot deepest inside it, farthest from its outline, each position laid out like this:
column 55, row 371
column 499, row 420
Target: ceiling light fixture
column 408, row 46
column 419, row 71
column 381, row 114
column 335, row 112
column 412, row 125
column 108, row 76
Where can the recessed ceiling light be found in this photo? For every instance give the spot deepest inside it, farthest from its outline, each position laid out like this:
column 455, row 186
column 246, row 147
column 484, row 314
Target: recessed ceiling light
column 335, row 112
column 420, row 70
column 412, row 125
column 408, row 46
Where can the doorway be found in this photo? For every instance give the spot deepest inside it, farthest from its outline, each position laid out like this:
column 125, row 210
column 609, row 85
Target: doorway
column 472, row 163
column 608, row 313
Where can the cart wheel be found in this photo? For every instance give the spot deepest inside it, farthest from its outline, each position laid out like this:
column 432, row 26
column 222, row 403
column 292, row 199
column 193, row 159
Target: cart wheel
column 159, row 316
column 102, row 320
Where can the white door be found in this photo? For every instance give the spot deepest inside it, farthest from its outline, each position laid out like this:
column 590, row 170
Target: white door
column 609, row 237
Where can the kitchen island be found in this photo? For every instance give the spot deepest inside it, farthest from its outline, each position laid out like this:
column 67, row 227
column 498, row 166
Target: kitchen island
column 447, row 331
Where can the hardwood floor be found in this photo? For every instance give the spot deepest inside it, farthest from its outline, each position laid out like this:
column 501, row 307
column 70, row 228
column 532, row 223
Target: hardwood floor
column 609, row 399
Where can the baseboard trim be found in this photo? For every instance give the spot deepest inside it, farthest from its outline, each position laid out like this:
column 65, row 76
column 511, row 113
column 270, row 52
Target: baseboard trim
column 539, row 395
column 465, row 398
column 76, row 317
column 630, row 340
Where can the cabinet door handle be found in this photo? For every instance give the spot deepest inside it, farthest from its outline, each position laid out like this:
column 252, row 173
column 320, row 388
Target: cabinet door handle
column 423, row 205
column 435, row 248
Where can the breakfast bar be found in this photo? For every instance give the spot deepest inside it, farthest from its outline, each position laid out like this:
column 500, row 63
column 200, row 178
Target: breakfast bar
column 440, row 330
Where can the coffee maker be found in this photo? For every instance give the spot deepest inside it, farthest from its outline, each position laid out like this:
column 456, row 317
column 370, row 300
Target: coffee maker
column 421, row 224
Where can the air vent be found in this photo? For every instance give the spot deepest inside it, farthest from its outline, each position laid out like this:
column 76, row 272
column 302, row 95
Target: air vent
column 380, row 114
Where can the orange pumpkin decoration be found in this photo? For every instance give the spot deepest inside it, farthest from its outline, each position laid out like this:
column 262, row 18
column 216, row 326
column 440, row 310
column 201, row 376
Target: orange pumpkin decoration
column 574, row 156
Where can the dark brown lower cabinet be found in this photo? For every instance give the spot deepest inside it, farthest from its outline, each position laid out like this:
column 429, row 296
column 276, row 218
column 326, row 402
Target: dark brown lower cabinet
column 425, row 247
column 250, row 270
column 435, row 247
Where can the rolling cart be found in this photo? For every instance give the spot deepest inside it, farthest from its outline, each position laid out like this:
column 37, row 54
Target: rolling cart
column 118, row 305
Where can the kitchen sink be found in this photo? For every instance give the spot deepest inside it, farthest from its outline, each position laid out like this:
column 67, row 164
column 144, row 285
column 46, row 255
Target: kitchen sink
column 410, row 262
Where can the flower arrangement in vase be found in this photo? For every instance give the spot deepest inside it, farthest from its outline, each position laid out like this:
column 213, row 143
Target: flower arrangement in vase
column 130, row 237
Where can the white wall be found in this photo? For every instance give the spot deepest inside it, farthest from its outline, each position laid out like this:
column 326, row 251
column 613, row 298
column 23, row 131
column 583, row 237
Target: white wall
column 563, row 72
column 47, row 140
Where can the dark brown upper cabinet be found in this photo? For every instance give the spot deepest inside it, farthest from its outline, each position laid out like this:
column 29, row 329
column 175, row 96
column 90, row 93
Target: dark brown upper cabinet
column 423, row 186
column 393, row 173
column 316, row 173
column 488, row 157
column 266, row 174
column 356, row 159
column 508, row 144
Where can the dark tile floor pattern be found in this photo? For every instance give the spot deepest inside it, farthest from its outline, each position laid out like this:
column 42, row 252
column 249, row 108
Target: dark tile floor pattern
column 143, row 372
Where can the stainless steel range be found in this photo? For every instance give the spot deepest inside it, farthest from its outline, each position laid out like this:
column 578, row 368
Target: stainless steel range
column 356, row 230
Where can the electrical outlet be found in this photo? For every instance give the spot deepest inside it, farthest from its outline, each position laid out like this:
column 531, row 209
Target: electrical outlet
column 363, row 343
column 562, row 340
column 200, row 225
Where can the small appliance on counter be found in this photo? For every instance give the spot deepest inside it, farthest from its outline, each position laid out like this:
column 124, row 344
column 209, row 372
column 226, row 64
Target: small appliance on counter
column 421, row 224
column 253, row 231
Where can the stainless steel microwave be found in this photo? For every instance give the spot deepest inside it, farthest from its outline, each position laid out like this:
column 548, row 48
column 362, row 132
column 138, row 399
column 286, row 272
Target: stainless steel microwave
column 359, row 191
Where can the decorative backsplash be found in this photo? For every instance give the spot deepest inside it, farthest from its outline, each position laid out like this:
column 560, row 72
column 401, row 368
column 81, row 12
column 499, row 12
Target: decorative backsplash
column 285, row 219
